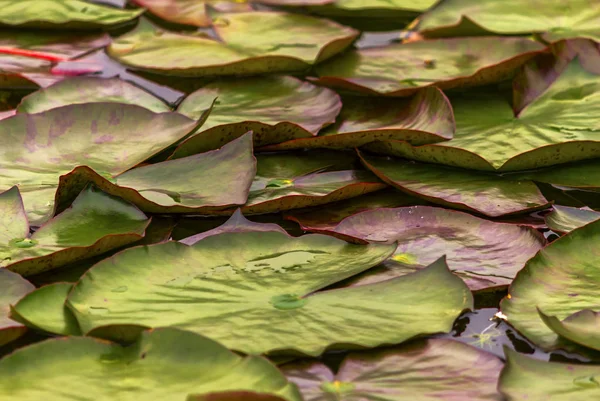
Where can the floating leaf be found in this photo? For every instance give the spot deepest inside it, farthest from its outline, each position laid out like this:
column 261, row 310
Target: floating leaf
column 190, row 12
column 151, row 368
column 582, row 327
column 563, row 219
column 94, row 224
column 555, row 19
column 560, row 280
column 401, row 69
column 275, row 109
column 79, row 90
column 534, row 380
column 426, row 118
column 175, row 186
column 557, row 127
column 483, row 253
column 64, row 14
column 480, row 192
column 235, row 396
column 426, row 370
column 251, row 43
column 12, row 288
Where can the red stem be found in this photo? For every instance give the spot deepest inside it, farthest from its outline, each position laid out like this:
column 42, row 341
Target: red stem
column 31, row 53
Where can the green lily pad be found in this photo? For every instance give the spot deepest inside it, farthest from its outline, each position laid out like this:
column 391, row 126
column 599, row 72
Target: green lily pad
column 582, row 327
column 426, row 370
column 480, row 192
column 79, row 90
column 529, row 379
column 564, row 219
column 44, row 309
column 556, row 127
column 236, row 287
column 275, row 109
column 12, row 288
column 235, row 396
column 401, row 69
column 151, row 368
column 175, row 186
column 555, row 20
column 63, row 14
column 581, row 175
column 108, row 137
column 191, row 12
column 251, row 43
column 485, row 254
column 425, row 118
column 560, row 280
column 95, row 223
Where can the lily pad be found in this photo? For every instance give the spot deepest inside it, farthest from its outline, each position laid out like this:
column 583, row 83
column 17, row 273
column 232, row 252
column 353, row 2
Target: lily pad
column 235, row 396
column 275, row 109
column 12, row 288
column 237, row 287
column 560, row 280
column 108, row 137
column 485, row 254
column 582, row 327
column 250, row 43
column 95, row 223
column 426, row 370
column 175, row 186
column 63, row 14
column 191, row 12
column 479, row 192
column 425, row 118
column 534, row 380
column 556, row 127
column 564, row 219
column 401, row 69
column 79, row 90
column 554, row 19
column 68, row 368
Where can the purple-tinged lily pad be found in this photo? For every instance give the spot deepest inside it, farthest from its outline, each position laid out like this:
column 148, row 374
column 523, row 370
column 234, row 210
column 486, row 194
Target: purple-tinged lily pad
column 12, row 288
column 564, row 219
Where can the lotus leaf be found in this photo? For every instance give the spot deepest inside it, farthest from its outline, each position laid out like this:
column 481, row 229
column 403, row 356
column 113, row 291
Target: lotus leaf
column 190, row 12
column 582, row 327
column 555, row 19
column 64, row 14
column 401, row 69
column 526, row 378
column 480, row 192
column 483, row 253
column 236, row 287
column 108, row 137
column 556, row 127
column 427, row 370
column 251, row 43
column 276, row 109
column 12, row 288
column 564, row 218
column 151, row 368
column 426, row 118
column 560, row 280
column 79, row 90
column 95, row 223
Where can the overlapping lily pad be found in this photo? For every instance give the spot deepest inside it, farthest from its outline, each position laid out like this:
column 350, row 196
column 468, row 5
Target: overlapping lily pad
column 80, row 90
column 481, row 192
column 12, row 288
column 556, row 127
column 65, row 14
column 560, row 280
column 107, row 137
column 524, row 378
column 401, row 69
column 275, row 109
column 554, row 19
column 94, row 224
column 485, row 254
column 150, row 368
column 564, row 218
column 426, row 370
column 426, row 118
column 582, row 327
column 237, row 287
column 250, row 43
column 190, row 12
